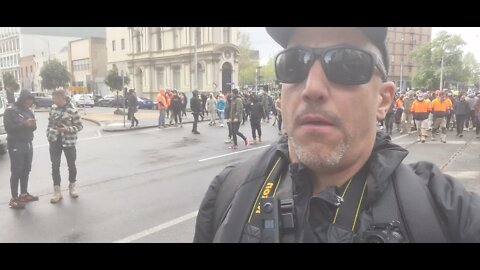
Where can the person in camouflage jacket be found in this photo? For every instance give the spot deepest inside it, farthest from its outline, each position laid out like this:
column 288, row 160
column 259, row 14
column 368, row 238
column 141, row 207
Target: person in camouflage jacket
column 63, row 126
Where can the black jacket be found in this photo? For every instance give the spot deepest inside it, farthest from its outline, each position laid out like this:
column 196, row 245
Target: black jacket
column 14, row 118
column 256, row 111
column 461, row 108
column 176, row 103
column 458, row 209
column 132, row 101
column 195, row 105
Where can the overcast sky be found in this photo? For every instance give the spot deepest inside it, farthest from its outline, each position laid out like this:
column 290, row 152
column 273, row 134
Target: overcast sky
column 261, row 41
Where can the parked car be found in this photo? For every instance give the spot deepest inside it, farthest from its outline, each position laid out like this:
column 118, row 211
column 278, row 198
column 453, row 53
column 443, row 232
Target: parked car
column 83, row 100
column 145, row 103
column 3, row 133
column 42, row 100
column 111, row 101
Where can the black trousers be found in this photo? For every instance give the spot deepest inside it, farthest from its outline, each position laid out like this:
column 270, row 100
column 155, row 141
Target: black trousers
column 56, row 150
column 236, row 126
column 256, row 127
column 460, row 123
column 177, row 116
column 131, row 115
column 230, row 129
column 279, row 119
column 21, row 155
column 470, row 117
column 195, row 122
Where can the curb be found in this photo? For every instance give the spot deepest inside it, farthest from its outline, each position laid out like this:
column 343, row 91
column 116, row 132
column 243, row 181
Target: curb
column 92, row 120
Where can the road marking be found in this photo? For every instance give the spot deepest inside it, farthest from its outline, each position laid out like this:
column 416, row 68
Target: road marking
column 234, row 153
column 464, row 174
column 401, row 136
column 158, row 228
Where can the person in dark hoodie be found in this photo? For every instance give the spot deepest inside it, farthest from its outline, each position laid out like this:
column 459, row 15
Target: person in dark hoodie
column 256, row 115
column 20, row 124
column 333, row 178
column 461, row 110
column 196, row 107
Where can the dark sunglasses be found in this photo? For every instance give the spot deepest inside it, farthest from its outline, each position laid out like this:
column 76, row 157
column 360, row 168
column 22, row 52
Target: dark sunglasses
column 342, row 65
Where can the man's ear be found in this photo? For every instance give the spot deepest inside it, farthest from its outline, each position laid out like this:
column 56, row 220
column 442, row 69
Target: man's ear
column 386, row 95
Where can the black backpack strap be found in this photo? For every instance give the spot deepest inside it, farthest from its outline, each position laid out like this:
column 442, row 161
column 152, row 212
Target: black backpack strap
column 417, row 208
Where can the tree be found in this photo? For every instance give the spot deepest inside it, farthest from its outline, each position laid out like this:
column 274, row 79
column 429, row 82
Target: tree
column 10, row 82
column 54, row 75
column 114, row 81
column 268, row 71
column 246, row 66
column 429, row 60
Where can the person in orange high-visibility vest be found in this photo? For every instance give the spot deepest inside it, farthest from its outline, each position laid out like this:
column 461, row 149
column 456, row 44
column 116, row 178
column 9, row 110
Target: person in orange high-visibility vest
column 441, row 107
column 421, row 109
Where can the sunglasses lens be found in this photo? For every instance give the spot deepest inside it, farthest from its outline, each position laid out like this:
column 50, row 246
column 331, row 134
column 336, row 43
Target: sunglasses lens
column 293, row 65
column 348, row 66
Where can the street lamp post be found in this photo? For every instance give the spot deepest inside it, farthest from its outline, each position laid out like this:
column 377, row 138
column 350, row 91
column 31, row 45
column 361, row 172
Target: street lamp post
column 441, row 75
column 441, row 68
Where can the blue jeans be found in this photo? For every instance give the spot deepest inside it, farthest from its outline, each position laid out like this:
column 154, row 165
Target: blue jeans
column 161, row 118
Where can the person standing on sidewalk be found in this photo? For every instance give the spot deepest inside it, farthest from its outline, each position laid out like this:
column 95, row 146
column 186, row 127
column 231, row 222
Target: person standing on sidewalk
column 278, row 108
column 228, row 109
column 461, row 110
column 256, row 115
column 184, row 104
column 477, row 115
column 63, row 126
column 211, row 108
column 221, row 108
column 176, row 106
column 20, row 123
column 196, row 107
column 162, row 107
column 132, row 107
column 236, row 117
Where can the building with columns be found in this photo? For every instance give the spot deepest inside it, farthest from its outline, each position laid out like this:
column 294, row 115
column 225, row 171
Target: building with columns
column 155, row 57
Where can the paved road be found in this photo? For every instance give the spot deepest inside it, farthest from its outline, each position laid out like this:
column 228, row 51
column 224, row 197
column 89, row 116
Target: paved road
column 146, row 185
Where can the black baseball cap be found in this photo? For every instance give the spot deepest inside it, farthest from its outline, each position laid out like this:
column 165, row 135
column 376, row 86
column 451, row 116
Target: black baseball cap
column 377, row 36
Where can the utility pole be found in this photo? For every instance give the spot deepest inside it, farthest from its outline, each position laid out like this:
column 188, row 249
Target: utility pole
column 196, row 59
column 123, row 87
column 441, row 75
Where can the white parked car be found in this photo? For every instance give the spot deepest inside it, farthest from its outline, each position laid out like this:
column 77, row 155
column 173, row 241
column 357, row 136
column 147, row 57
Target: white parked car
column 83, row 100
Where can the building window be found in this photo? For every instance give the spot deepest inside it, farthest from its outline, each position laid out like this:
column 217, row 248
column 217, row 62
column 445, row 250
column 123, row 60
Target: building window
column 122, row 44
column 175, row 38
column 200, row 71
column 139, row 43
column 198, row 35
column 226, row 34
column 82, row 64
column 176, row 78
column 159, row 40
column 31, row 69
column 160, row 78
column 410, row 68
column 113, row 45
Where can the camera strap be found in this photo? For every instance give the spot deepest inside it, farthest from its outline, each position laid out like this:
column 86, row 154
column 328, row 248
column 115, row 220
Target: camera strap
column 351, row 201
column 273, row 216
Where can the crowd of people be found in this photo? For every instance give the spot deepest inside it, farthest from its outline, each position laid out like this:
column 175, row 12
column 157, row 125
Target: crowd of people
column 431, row 112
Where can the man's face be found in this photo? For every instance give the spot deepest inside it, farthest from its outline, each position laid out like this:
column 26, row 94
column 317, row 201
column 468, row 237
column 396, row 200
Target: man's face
column 59, row 100
column 331, row 125
column 28, row 102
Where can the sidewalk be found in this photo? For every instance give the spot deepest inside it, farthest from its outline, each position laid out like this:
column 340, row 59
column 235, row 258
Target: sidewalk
column 111, row 122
